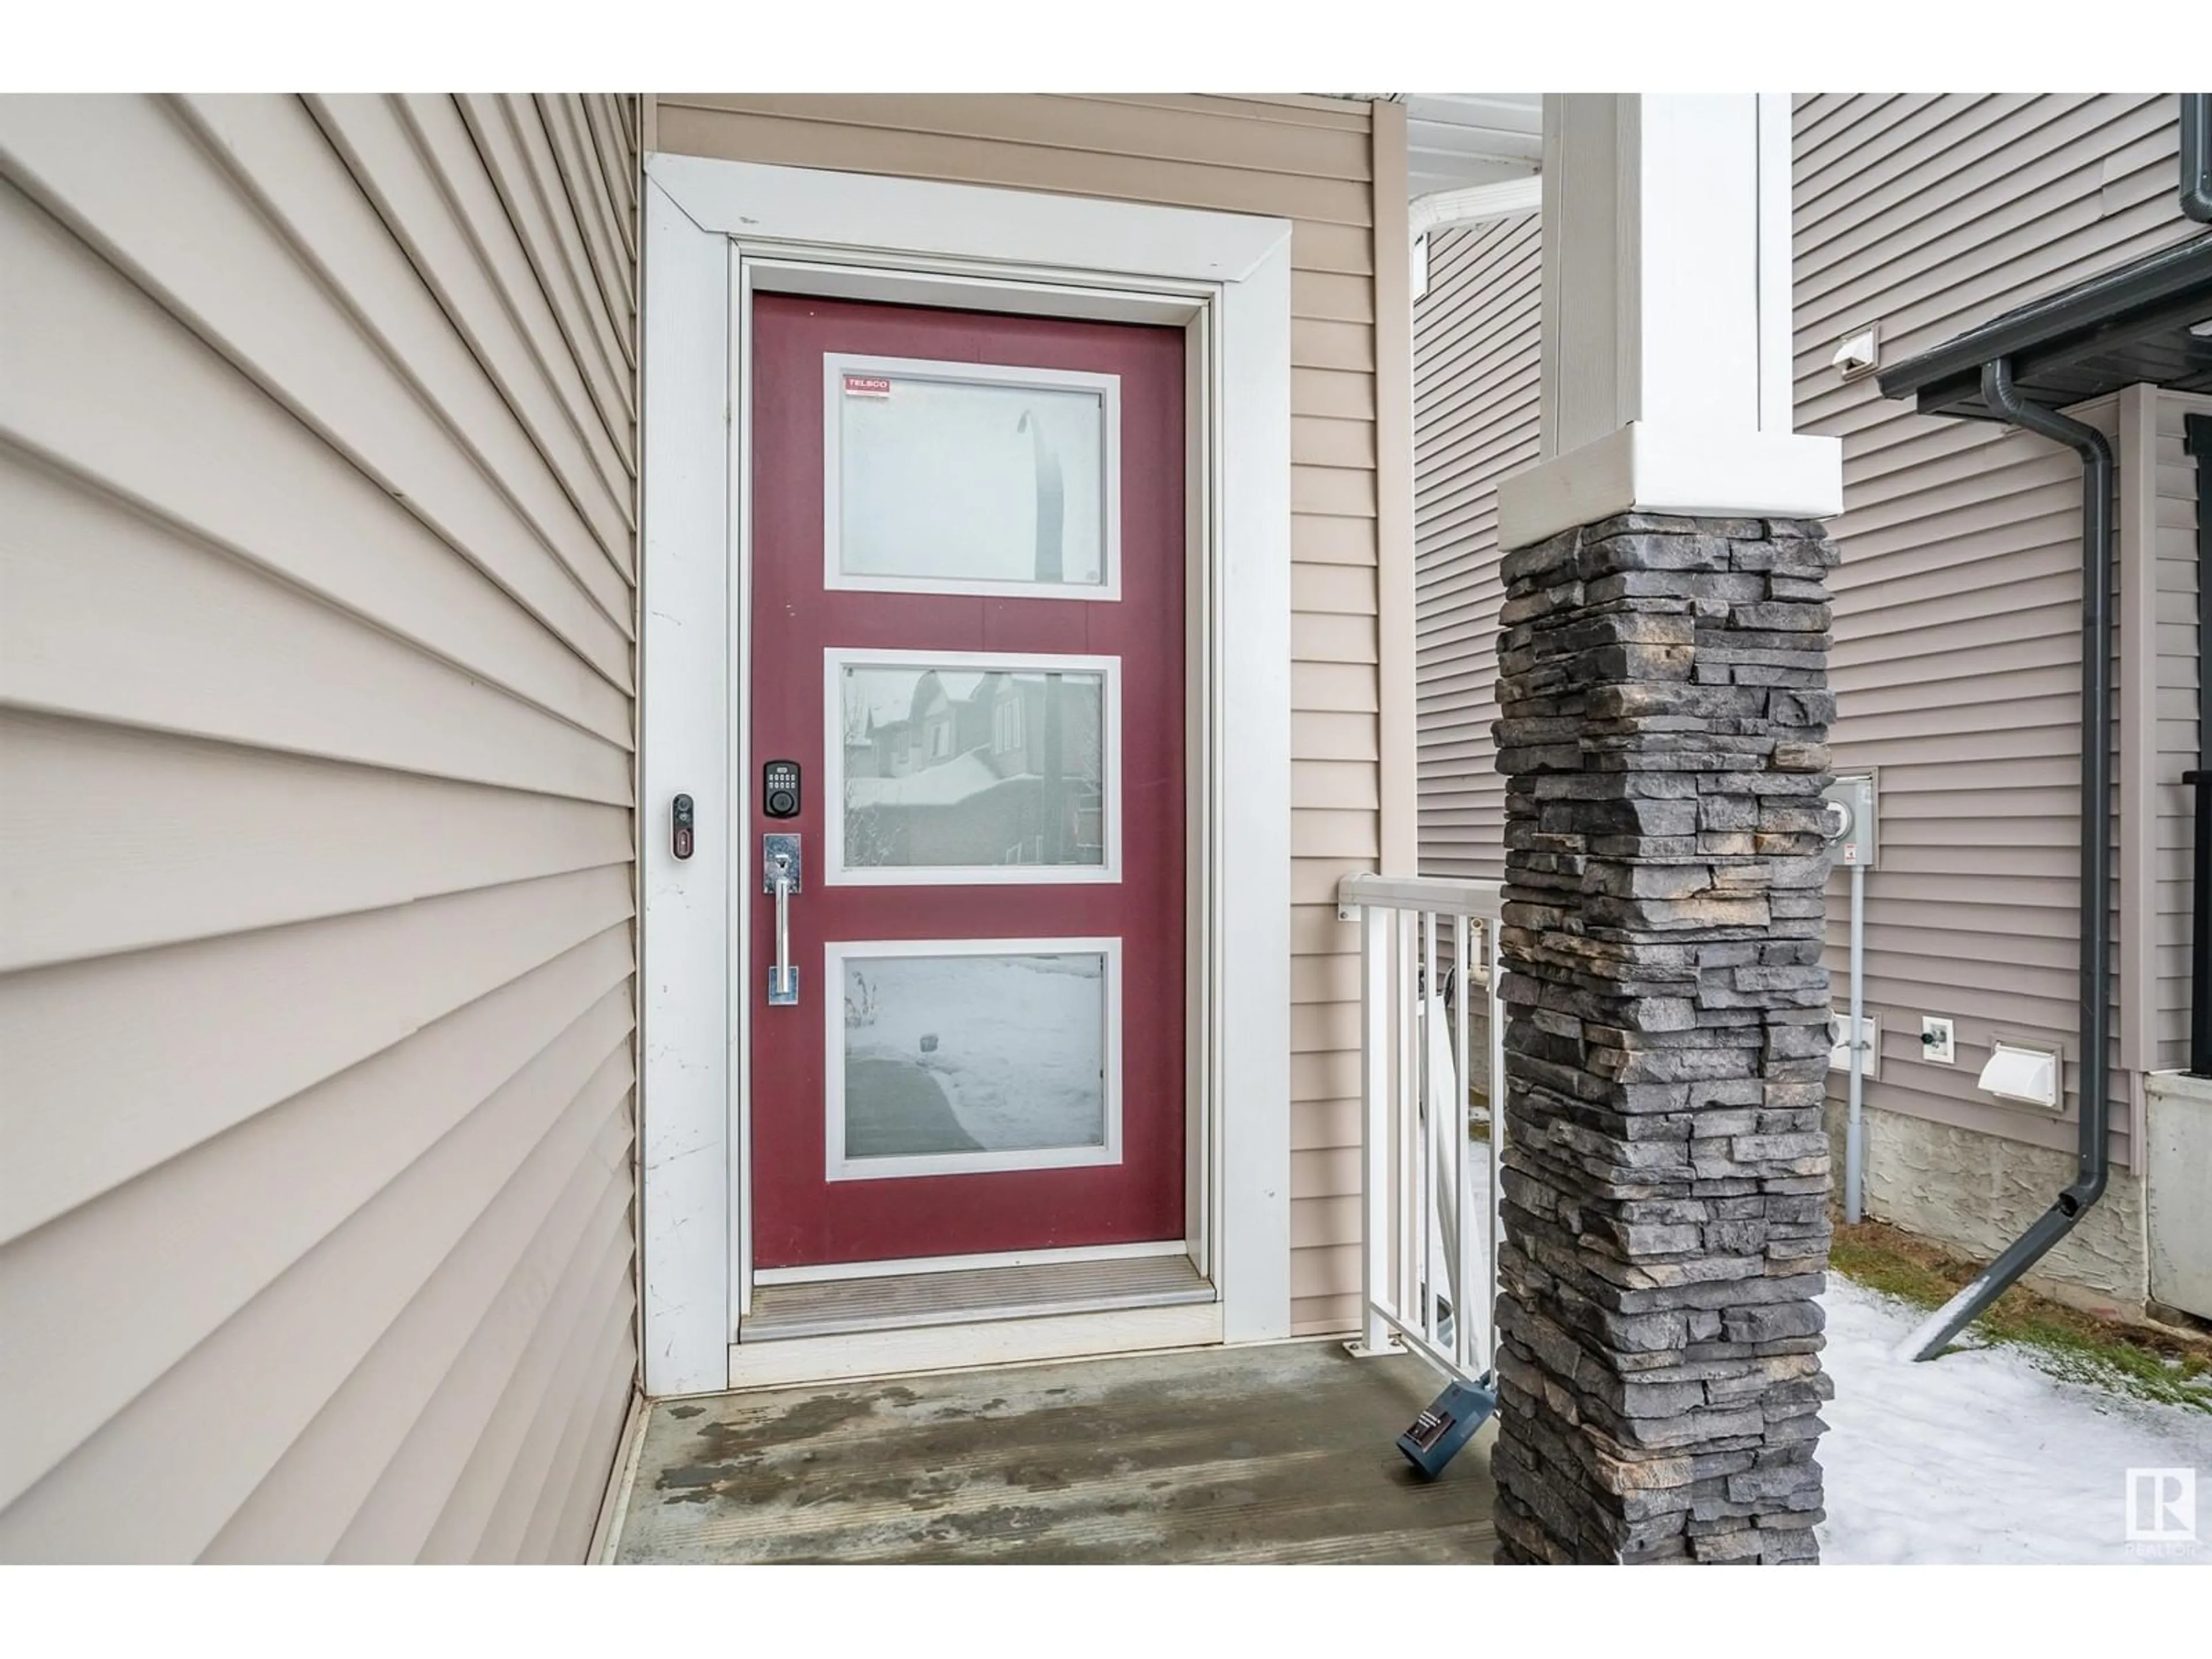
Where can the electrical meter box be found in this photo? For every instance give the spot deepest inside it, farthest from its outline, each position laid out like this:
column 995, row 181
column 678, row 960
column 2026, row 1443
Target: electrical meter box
column 1850, row 803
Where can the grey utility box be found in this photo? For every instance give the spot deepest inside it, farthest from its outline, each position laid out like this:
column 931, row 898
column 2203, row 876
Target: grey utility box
column 1851, row 805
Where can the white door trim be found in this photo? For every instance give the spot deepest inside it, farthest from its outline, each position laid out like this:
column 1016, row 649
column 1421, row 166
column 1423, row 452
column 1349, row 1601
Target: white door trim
column 708, row 224
column 921, row 222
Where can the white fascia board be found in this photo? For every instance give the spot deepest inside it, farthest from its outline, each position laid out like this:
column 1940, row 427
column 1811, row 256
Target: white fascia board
column 1447, row 210
column 921, row 218
column 1688, row 469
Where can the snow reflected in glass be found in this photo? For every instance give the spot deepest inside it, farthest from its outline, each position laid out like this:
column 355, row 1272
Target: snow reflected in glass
column 946, row 768
column 974, row 1054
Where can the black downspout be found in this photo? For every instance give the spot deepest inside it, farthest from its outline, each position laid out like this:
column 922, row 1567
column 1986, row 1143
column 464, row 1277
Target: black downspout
column 2199, row 780
column 2097, row 477
column 2197, row 439
column 2197, row 155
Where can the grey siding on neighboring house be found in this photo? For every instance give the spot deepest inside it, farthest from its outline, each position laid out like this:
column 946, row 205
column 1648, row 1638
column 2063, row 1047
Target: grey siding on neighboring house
column 1475, row 398
column 317, row 544
column 1958, row 613
column 1958, row 603
column 1311, row 160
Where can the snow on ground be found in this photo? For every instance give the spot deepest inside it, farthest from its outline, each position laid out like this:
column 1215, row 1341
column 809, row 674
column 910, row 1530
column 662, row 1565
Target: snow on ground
column 1980, row 1456
column 1014, row 1042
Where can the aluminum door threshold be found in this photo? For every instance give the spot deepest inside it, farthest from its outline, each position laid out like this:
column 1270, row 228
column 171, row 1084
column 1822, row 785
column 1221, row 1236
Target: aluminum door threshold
column 845, row 1306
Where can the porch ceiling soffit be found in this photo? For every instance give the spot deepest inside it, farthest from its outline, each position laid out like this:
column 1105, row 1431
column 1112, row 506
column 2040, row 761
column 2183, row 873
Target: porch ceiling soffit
column 1457, row 139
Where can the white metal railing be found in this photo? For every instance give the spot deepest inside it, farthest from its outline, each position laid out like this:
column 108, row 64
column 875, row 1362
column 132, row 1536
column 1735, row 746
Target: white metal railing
column 1428, row 961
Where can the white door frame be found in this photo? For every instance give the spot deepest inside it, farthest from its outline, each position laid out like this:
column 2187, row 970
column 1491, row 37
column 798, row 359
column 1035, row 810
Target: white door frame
column 713, row 231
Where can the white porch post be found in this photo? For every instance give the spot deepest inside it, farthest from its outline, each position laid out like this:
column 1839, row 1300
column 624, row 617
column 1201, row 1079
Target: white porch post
column 1665, row 318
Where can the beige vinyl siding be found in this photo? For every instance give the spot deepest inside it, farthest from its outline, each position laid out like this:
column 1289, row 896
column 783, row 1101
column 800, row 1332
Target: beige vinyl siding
column 2176, row 743
column 1476, row 393
column 1309, row 161
column 1958, row 603
column 317, row 559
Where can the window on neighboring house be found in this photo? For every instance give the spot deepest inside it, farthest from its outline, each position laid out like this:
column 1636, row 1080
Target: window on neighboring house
column 940, row 740
column 1006, row 725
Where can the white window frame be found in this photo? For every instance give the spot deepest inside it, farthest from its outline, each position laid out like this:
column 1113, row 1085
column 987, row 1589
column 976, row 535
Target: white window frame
column 836, row 659
column 835, row 953
column 714, row 232
column 836, row 365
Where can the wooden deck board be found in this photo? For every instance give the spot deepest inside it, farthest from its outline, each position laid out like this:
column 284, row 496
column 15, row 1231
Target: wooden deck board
column 1281, row 1453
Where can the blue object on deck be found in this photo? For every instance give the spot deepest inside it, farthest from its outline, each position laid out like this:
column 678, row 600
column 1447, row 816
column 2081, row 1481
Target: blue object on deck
column 1451, row 1420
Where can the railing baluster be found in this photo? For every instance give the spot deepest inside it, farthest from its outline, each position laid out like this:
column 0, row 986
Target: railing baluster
column 1462, row 1188
column 1425, row 1106
column 1408, row 1284
column 1375, row 1124
column 1496, row 1227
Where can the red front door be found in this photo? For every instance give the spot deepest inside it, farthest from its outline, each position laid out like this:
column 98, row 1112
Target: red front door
column 968, row 632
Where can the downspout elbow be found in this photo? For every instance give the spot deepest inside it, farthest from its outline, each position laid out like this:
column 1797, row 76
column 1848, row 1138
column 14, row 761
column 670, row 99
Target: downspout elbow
column 1999, row 392
column 2196, row 156
column 2086, row 1191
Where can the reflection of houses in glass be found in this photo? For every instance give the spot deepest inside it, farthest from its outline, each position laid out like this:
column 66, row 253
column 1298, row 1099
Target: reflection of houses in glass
column 965, row 768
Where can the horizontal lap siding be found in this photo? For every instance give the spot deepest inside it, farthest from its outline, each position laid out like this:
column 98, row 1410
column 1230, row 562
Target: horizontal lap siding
column 1957, row 657
column 1958, row 603
column 1309, row 161
column 317, row 454
column 1475, row 398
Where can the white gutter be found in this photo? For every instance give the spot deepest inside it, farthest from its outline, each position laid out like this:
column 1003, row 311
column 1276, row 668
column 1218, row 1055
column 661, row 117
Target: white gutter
column 1473, row 203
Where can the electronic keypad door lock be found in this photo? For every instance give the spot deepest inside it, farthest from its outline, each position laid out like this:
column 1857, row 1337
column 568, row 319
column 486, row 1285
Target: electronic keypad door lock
column 780, row 789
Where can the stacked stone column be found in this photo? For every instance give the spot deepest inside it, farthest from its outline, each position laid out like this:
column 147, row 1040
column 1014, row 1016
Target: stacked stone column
column 1664, row 708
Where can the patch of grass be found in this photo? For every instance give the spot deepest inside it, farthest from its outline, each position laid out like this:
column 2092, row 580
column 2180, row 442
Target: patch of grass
column 2065, row 1341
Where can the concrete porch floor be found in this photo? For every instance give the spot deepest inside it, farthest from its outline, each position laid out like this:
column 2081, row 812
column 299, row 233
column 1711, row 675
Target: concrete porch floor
column 1279, row 1453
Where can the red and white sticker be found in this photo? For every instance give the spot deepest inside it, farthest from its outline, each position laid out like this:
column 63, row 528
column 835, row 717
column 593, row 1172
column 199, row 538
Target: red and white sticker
column 867, row 385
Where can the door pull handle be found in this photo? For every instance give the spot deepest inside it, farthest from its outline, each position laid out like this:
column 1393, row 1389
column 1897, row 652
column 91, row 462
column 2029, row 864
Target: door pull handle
column 780, row 876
